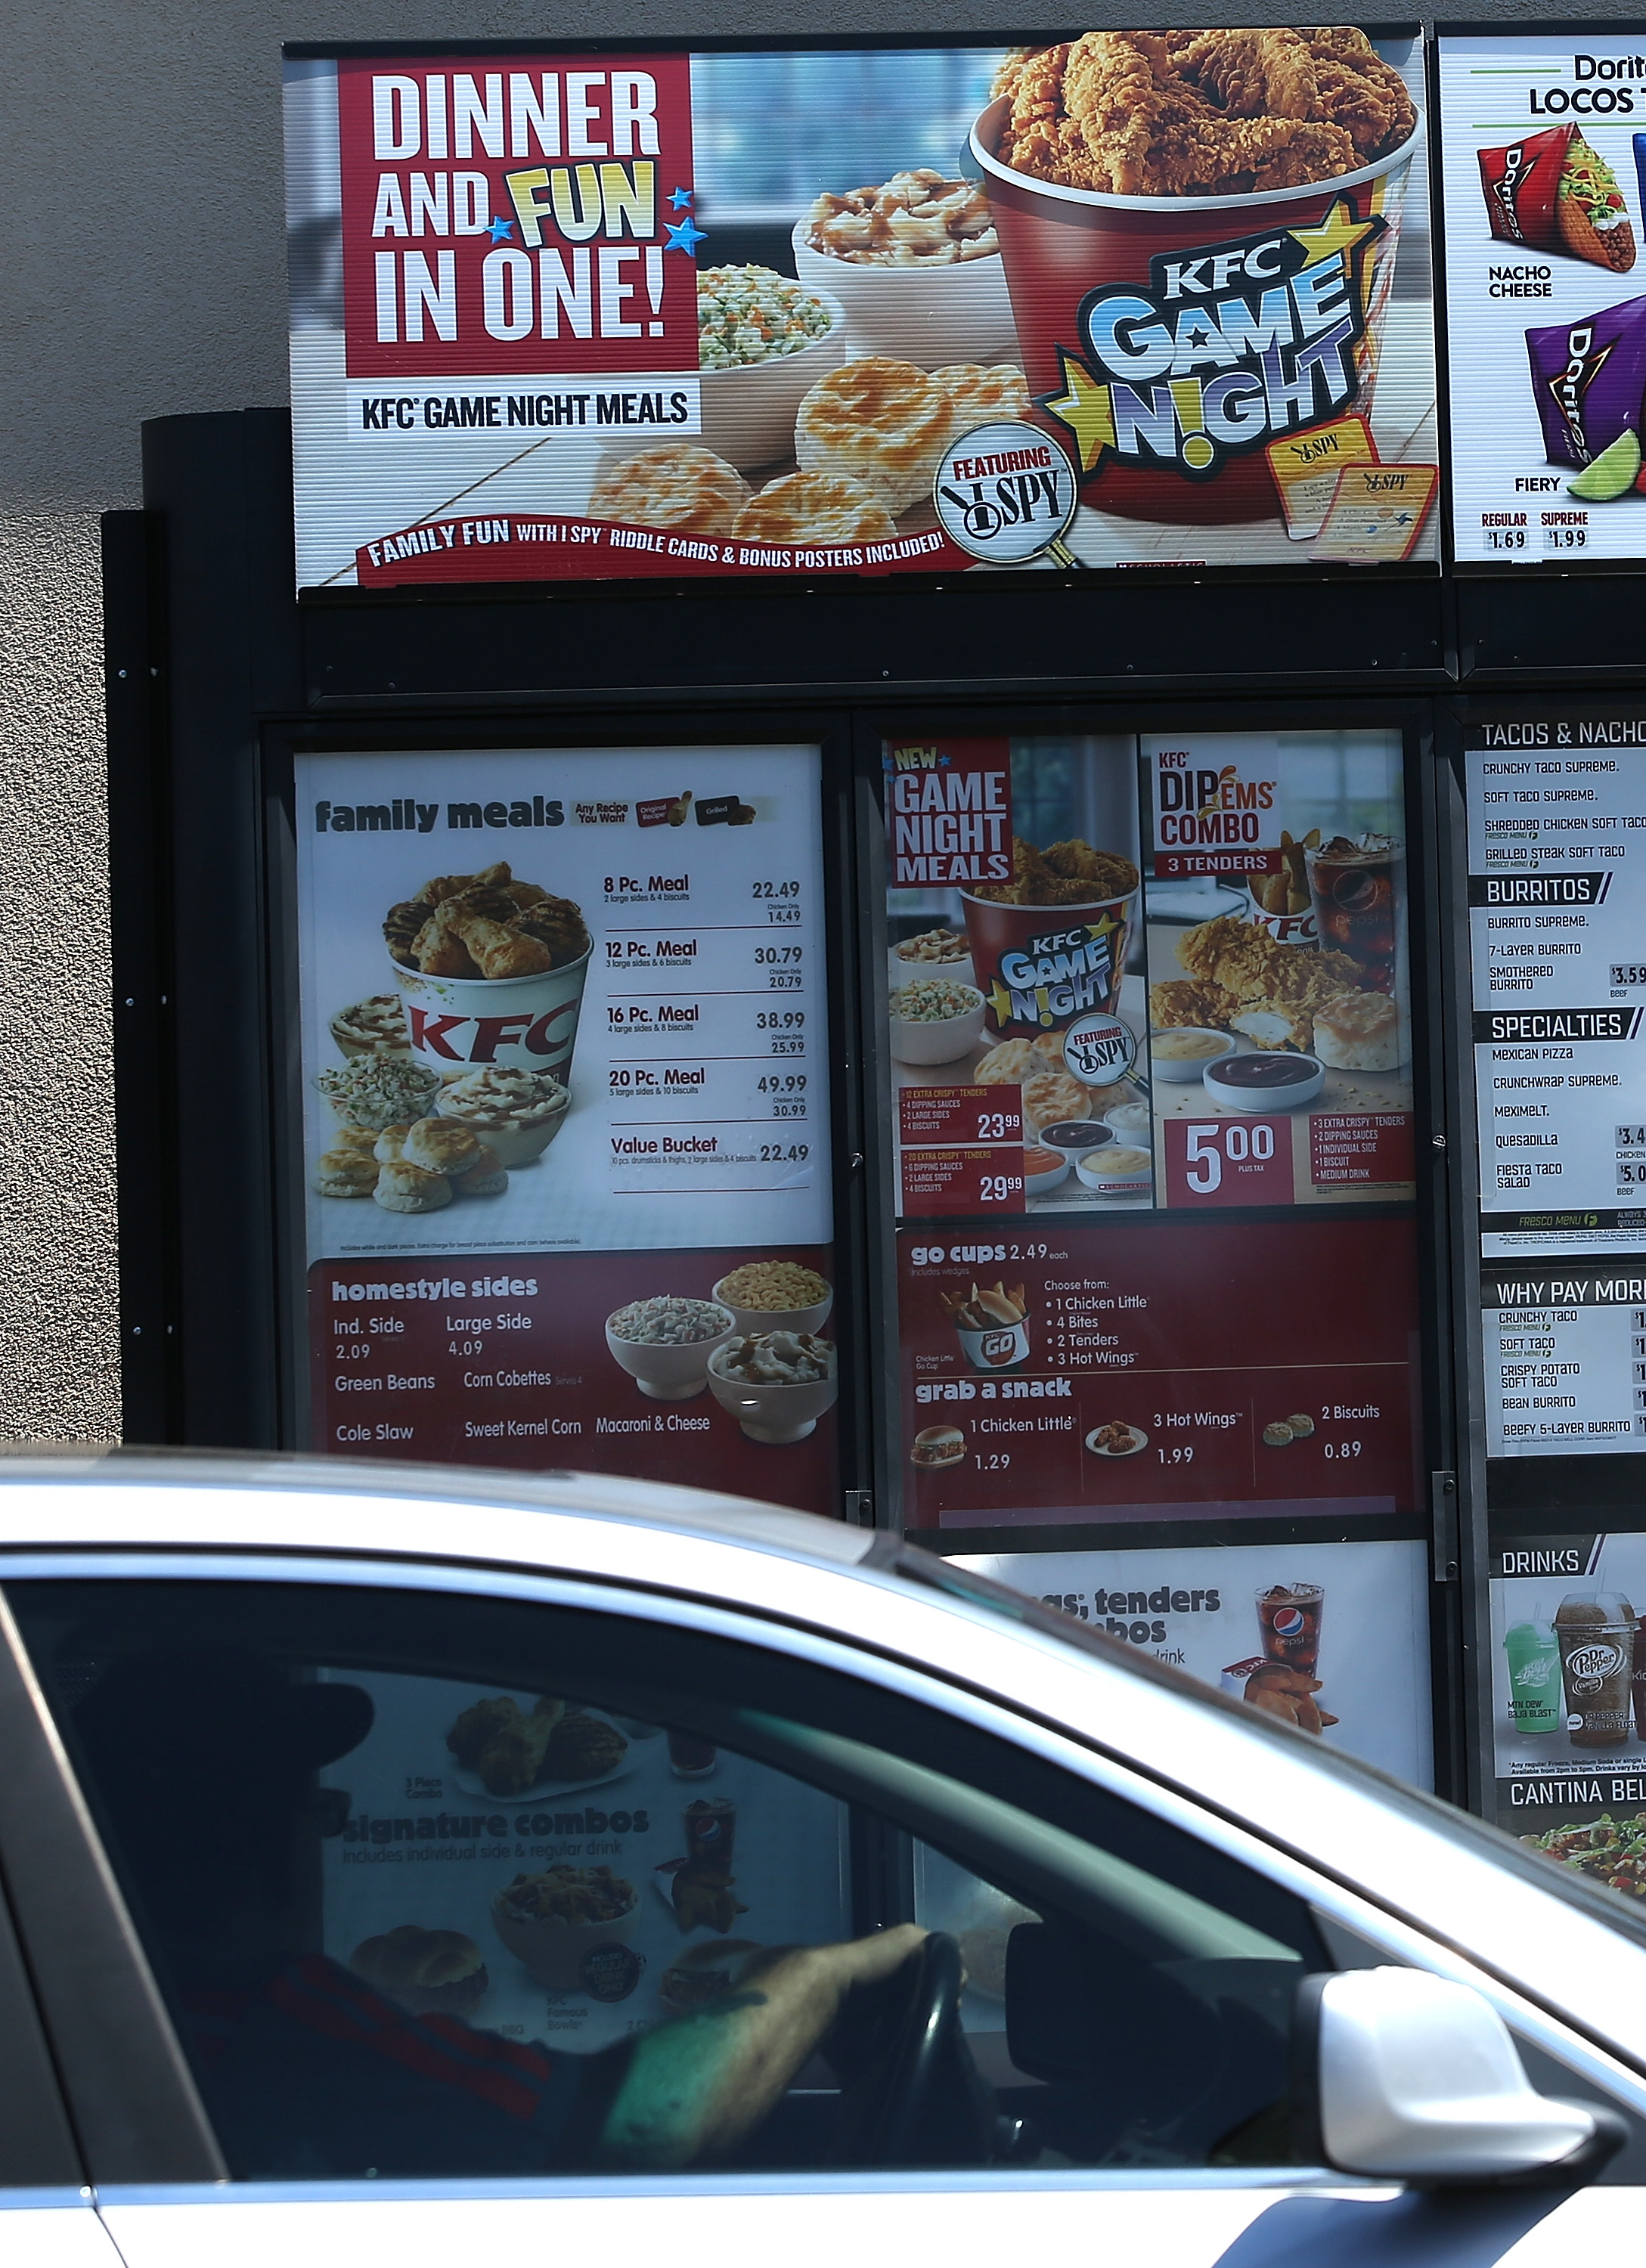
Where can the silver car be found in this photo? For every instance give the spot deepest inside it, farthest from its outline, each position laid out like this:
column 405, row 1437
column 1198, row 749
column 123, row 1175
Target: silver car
column 399, row 1864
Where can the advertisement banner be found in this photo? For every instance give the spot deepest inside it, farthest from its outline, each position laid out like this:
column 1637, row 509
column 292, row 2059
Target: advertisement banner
column 1131, row 299
column 1327, row 1637
column 1160, row 1370
column 552, row 1873
column 565, row 1093
column 1568, row 1700
column 1554, row 824
column 1106, row 998
column 1544, row 173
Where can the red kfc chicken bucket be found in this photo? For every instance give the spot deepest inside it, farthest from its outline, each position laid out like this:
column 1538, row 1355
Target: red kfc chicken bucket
column 1179, row 336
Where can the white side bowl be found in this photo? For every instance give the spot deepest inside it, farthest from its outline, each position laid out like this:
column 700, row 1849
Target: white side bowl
column 1257, row 1098
column 1134, row 1179
column 938, row 1043
column 929, row 316
column 511, row 1146
column 804, row 1321
column 903, row 972
column 748, row 411
column 552, row 1951
column 1035, row 1185
column 668, row 1373
column 1184, row 1070
column 775, row 1413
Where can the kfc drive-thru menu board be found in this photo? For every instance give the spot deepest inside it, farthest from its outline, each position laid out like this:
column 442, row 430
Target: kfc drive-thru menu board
column 1127, row 975
column 1568, row 1700
column 1544, row 165
column 1330, row 1638
column 566, row 1110
column 1557, row 863
column 1127, row 299
column 555, row 1873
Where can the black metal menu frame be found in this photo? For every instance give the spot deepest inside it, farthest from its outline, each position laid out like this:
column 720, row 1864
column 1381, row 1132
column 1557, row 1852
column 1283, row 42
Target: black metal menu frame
column 217, row 678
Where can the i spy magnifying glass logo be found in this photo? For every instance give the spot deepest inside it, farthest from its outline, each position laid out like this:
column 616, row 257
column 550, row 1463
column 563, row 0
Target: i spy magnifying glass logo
column 1006, row 492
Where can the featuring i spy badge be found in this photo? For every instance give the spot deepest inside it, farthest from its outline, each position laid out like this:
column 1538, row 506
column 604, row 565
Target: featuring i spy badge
column 1006, row 492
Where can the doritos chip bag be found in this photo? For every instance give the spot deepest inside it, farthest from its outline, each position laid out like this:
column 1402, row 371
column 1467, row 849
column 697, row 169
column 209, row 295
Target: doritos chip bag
column 1588, row 379
column 1551, row 192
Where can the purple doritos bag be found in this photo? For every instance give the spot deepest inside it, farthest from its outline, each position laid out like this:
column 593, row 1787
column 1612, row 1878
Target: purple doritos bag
column 1588, row 379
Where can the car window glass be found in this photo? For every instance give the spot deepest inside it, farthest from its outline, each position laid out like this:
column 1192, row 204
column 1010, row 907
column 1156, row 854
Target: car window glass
column 443, row 1885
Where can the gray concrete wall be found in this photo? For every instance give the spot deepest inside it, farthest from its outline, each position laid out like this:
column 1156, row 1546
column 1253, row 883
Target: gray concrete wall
column 141, row 246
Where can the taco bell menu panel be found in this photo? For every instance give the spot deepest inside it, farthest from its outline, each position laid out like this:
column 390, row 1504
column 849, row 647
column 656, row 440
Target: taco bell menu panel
column 1555, row 862
column 566, row 1110
column 1543, row 165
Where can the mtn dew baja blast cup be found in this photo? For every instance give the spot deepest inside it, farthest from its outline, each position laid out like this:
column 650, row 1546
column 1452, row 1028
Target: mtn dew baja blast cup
column 1534, row 1678
column 1199, row 232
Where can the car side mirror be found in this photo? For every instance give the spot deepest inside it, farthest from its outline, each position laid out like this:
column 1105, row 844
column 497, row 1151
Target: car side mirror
column 1416, row 2079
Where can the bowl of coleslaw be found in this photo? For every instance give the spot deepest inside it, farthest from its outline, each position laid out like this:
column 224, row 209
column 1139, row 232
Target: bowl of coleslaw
column 763, row 341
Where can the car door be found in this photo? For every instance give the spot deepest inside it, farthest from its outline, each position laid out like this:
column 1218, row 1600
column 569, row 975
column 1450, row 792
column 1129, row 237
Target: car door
column 415, row 1869
column 47, row 2218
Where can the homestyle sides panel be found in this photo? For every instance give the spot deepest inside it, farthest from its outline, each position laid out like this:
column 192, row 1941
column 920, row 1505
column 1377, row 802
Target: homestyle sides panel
column 566, row 316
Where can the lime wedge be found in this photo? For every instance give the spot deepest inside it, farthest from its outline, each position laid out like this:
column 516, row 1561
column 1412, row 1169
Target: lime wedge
column 1612, row 473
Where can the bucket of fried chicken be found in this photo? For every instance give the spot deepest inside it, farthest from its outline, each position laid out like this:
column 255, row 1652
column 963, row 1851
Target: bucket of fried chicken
column 490, row 971
column 1050, row 945
column 1198, row 232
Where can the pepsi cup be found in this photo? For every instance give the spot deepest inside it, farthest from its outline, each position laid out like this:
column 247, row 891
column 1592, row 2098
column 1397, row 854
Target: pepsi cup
column 1289, row 1616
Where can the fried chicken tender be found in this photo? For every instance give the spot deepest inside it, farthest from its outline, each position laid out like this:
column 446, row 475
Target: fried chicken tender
column 1246, row 960
column 1180, row 1000
column 1289, row 1695
column 1201, row 113
column 1240, row 980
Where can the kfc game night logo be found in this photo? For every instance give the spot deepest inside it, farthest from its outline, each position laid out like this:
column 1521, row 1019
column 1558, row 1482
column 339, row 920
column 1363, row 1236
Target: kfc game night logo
column 1225, row 347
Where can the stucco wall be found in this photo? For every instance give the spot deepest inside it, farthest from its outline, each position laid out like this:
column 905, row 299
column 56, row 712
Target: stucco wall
column 141, row 246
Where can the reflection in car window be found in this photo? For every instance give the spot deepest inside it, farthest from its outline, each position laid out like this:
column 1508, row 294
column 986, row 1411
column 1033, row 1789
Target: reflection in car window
column 447, row 1885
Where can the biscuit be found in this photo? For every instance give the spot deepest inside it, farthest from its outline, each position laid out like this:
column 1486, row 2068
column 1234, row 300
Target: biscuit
column 877, row 421
column 361, row 1139
column 679, row 485
column 390, row 1145
column 345, row 1174
column 1359, row 1031
column 1301, row 1425
column 486, row 1177
column 401, row 1187
column 1005, row 1065
column 1053, row 1095
column 978, row 395
column 1278, row 1436
column 815, row 508
column 441, row 1145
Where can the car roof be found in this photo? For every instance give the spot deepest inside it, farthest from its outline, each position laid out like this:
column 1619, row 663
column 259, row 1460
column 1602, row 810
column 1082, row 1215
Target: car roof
column 1577, row 1948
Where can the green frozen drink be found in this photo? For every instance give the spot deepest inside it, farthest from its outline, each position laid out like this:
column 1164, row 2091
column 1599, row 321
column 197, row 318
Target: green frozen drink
column 1534, row 1677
